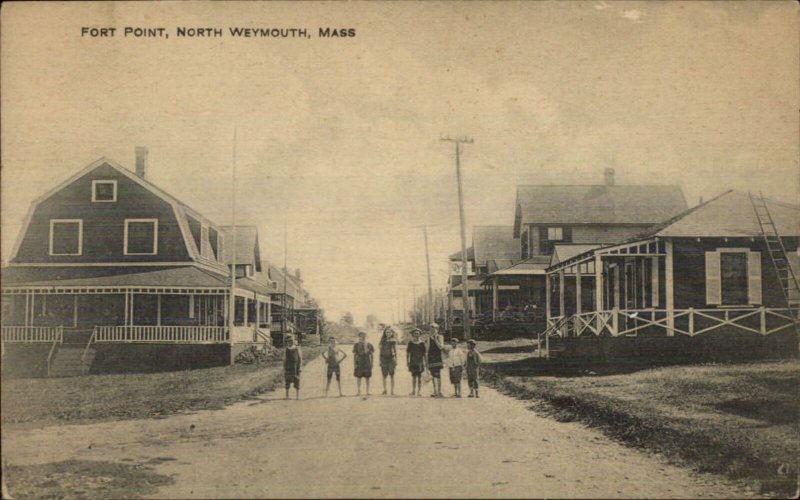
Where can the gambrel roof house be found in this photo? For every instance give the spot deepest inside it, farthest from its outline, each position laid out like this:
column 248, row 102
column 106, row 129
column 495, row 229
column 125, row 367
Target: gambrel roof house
column 107, row 257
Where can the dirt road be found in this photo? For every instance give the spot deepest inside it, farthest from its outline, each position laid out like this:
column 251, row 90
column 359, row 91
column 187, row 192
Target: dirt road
column 376, row 447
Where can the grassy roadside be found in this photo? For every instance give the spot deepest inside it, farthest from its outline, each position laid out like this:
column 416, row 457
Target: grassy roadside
column 94, row 398
column 741, row 420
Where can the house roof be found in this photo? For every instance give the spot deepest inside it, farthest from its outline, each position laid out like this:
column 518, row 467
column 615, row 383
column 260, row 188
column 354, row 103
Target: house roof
column 596, row 204
column 180, row 209
column 493, row 242
column 457, row 255
column 247, row 246
column 562, row 252
column 473, row 284
column 113, row 276
column 731, row 215
column 534, row 265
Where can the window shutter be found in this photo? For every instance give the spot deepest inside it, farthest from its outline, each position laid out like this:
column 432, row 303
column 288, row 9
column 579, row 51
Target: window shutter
column 713, row 279
column 754, row 277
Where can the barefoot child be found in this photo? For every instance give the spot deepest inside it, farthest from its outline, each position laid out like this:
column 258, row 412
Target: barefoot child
column 473, row 368
column 455, row 362
column 415, row 359
column 333, row 358
column 292, row 364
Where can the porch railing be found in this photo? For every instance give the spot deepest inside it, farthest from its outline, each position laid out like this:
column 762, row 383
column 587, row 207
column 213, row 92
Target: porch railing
column 32, row 334
column 162, row 334
column 760, row 320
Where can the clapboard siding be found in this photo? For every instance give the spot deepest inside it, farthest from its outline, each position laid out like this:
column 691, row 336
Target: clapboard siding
column 103, row 223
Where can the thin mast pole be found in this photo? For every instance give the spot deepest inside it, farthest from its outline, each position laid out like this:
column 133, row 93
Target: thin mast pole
column 232, row 301
column 430, row 287
column 283, row 296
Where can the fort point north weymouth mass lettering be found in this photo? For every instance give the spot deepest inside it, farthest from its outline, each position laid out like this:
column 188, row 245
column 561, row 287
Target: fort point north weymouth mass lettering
column 213, row 32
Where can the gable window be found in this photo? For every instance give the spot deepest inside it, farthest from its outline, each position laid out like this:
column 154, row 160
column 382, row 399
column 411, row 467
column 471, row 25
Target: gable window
column 555, row 233
column 66, row 237
column 104, row 191
column 733, row 277
column 141, row 236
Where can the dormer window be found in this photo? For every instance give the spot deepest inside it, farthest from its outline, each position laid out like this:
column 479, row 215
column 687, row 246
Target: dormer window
column 66, row 237
column 141, row 236
column 104, row 191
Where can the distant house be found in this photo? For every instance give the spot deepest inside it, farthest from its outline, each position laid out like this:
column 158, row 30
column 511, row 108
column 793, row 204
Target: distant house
column 111, row 273
column 707, row 269
column 564, row 219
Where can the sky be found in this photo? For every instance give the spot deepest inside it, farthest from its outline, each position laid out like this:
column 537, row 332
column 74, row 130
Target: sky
column 339, row 140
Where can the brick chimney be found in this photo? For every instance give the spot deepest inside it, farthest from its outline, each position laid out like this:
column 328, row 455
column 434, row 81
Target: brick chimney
column 141, row 161
column 608, row 176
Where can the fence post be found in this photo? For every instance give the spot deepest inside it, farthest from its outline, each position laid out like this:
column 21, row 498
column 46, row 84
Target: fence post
column 691, row 321
column 763, row 316
column 614, row 322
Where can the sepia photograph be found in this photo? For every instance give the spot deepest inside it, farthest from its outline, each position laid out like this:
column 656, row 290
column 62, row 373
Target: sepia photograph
column 400, row 249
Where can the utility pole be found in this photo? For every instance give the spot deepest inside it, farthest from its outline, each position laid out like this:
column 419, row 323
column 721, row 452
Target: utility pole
column 232, row 301
column 464, row 288
column 430, row 288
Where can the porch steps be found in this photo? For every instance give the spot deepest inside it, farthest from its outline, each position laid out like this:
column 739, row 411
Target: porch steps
column 67, row 361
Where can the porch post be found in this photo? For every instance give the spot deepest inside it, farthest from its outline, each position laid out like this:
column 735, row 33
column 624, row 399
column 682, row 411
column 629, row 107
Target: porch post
column 494, row 299
column 668, row 283
column 561, row 311
column 127, row 305
column 158, row 309
column 578, row 288
column 27, row 308
column 598, row 291
column 547, row 298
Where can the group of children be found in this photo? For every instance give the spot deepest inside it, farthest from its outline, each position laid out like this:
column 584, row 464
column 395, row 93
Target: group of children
column 432, row 356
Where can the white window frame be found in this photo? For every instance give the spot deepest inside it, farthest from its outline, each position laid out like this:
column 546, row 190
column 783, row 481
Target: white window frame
column 750, row 299
column 94, row 190
column 560, row 232
column 155, row 237
column 80, row 235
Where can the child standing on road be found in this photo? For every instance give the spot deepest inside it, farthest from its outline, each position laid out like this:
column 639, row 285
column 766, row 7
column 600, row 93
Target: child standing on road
column 363, row 353
column 292, row 364
column 415, row 359
column 388, row 356
column 473, row 368
column 455, row 363
column 435, row 364
column 333, row 358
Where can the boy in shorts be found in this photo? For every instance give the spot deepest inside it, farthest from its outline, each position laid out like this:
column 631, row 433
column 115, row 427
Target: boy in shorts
column 456, row 360
column 292, row 364
column 333, row 357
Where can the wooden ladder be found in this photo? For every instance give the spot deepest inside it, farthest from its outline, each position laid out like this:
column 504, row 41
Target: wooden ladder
column 777, row 254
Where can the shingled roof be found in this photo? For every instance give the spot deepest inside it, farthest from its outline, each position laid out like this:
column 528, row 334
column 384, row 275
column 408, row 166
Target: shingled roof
column 247, row 247
column 730, row 215
column 596, row 204
column 494, row 243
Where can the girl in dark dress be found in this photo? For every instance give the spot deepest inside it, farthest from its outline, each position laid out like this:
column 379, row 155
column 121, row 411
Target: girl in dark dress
column 363, row 353
column 415, row 358
column 388, row 356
